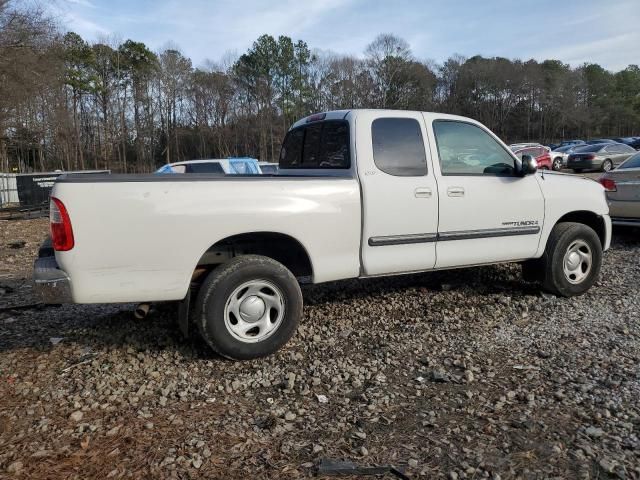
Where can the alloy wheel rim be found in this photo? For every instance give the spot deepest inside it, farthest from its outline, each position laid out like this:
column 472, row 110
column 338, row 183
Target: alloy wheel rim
column 254, row 311
column 577, row 262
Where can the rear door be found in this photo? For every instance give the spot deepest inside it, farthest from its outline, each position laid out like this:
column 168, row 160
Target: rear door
column 624, row 152
column 627, row 193
column 399, row 193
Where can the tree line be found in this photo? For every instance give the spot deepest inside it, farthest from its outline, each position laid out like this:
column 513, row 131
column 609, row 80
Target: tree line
column 68, row 104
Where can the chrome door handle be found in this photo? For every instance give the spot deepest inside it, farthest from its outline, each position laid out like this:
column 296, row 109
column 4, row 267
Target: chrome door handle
column 455, row 191
column 422, row 193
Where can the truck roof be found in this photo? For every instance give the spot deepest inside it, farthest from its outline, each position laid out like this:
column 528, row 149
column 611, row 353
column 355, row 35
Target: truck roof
column 342, row 114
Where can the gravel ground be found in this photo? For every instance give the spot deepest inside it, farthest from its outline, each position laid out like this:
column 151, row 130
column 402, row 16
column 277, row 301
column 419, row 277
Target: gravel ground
column 464, row 374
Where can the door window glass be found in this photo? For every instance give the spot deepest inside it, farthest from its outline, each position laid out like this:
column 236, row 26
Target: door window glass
column 467, row 149
column 398, row 147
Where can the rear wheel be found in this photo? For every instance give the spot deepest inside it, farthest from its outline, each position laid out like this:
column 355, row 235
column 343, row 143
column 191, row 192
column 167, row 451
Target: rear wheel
column 248, row 307
column 571, row 260
column 607, row 165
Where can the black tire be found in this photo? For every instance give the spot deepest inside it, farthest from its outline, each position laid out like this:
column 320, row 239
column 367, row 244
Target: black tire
column 563, row 236
column 557, row 164
column 606, row 166
column 216, row 291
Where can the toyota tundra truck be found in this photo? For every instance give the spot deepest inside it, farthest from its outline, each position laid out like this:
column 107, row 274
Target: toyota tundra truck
column 359, row 194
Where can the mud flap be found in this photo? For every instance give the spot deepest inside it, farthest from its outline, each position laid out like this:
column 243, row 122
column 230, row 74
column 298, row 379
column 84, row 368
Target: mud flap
column 183, row 314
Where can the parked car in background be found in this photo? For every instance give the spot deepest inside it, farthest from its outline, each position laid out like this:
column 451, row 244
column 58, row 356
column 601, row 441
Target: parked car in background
column 535, row 150
column 633, row 142
column 268, row 168
column 223, row 166
column 602, row 156
column 597, row 141
column 565, row 143
column 622, row 187
column 559, row 156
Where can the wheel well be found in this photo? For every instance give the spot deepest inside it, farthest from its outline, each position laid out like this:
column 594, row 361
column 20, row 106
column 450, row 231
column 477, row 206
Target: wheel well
column 590, row 219
column 280, row 247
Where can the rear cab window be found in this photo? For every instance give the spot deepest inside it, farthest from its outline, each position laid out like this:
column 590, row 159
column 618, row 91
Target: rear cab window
column 319, row 145
column 398, row 147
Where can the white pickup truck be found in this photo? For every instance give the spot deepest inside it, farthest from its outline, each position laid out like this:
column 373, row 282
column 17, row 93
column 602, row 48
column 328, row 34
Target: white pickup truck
column 360, row 193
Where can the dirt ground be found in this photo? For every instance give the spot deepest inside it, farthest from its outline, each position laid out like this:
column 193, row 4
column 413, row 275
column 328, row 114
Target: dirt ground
column 465, row 374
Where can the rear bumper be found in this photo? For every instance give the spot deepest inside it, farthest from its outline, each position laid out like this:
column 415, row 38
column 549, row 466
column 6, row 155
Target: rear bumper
column 52, row 284
column 584, row 164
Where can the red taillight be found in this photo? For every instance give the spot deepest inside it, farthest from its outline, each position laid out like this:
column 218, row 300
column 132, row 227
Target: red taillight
column 591, row 156
column 61, row 231
column 608, row 184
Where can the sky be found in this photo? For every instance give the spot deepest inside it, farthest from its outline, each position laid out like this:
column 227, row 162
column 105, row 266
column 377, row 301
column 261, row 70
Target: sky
column 606, row 32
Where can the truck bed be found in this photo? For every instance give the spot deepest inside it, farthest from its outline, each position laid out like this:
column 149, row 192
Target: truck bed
column 140, row 237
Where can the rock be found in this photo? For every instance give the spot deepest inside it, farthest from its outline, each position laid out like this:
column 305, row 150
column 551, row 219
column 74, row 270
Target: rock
column 322, row 398
column 413, row 463
column 468, row 375
column 607, row 465
column 15, row 467
column 439, row 376
column 594, row 432
column 76, row 416
column 289, row 416
column 291, row 380
column 317, row 448
column 363, row 451
column 453, row 475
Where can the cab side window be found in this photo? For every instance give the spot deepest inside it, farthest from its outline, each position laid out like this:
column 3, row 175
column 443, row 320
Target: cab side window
column 398, row 147
column 466, row 149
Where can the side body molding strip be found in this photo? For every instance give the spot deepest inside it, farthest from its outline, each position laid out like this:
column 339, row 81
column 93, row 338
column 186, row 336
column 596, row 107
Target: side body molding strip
column 402, row 239
column 449, row 236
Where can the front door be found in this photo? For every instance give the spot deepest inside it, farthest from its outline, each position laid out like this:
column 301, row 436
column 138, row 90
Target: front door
column 487, row 213
column 400, row 195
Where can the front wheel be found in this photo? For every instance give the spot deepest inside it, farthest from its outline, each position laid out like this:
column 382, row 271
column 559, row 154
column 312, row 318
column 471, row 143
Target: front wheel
column 248, row 307
column 557, row 164
column 571, row 260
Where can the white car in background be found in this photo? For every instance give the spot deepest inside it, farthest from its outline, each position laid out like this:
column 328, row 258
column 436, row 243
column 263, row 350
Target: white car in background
column 225, row 166
column 268, row 168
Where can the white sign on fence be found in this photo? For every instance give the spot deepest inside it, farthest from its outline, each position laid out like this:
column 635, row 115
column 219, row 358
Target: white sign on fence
column 8, row 189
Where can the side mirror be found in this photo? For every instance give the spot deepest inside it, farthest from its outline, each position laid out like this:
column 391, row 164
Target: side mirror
column 528, row 166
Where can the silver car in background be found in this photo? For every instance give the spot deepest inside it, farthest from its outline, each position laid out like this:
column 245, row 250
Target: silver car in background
column 622, row 187
column 601, row 156
column 559, row 156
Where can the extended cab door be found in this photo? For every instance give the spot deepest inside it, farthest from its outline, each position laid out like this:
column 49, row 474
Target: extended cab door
column 399, row 192
column 487, row 212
